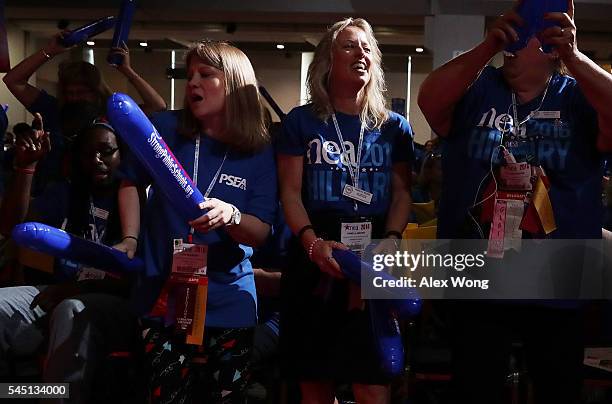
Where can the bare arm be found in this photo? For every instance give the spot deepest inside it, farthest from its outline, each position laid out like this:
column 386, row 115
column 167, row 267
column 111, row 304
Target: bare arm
column 290, row 180
column 290, row 169
column 16, row 79
column 267, row 283
column 251, row 231
column 129, row 214
column 399, row 211
column 595, row 82
column 16, row 201
column 152, row 101
column 445, row 86
column 30, row 148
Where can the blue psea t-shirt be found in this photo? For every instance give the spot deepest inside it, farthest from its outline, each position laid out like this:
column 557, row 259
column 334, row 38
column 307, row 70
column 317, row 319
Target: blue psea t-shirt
column 562, row 140
column 325, row 174
column 247, row 181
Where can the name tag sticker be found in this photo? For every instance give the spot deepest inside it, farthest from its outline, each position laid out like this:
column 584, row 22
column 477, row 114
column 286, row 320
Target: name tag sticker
column 547, row 115
column 357, row 194
column 356, row 235
column 515, row 176
column 101, row 213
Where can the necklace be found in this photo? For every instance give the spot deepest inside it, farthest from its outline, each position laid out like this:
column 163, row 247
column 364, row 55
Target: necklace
column 516, row 123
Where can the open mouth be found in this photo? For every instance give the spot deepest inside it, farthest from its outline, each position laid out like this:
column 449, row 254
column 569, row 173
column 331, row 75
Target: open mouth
column 359, row 67
column 196, row 98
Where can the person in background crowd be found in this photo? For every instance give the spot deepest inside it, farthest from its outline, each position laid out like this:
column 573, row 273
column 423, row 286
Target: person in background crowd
column 430, row 174
column 527, row 111
column 86, row 310
column 78, row 82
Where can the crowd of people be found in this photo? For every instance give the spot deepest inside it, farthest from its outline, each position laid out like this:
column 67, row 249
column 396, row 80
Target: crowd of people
column 341, row 162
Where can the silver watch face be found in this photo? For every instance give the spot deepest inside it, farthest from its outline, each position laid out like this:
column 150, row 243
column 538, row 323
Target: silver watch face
column 237, row 216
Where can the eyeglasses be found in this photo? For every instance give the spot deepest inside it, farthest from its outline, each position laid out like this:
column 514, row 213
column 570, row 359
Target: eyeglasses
column 101, row 154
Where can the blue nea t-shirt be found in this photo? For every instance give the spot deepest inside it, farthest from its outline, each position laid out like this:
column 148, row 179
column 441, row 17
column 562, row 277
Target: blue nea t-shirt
column 565, row 147
column 247, row 181
column 305, row 134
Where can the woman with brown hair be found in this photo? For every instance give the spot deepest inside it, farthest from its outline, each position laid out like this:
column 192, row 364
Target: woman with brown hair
column 345, row 142
column 221, row 140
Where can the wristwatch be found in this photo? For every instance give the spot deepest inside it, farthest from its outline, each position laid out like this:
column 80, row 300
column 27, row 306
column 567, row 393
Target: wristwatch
column 236, row 217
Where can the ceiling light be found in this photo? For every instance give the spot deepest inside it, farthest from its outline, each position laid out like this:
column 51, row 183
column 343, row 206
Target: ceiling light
column 143, row 44
column 91, row 43
column 419, row 50
column 280, row 46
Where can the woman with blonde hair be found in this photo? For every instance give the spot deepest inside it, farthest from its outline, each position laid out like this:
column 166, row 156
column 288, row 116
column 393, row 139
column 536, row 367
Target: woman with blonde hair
column 345, row 142
column 221, row 140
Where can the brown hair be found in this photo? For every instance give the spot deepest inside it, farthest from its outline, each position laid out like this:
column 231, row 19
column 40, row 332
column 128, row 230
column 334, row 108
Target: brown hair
column 373, row 111
column 80, row 72
column 244, row 112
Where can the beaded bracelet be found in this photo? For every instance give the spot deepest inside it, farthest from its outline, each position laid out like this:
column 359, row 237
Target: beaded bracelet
column 311, row 246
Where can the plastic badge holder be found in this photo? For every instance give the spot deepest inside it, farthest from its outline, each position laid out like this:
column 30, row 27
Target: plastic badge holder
column 532, row 12
column 122, row 30
column 87, row 31
column 148, row 146
column 58, row 243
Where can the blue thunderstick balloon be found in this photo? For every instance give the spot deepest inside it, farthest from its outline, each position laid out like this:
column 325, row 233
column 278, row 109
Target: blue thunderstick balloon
column 148, row 146
column 50, row 240
column 87, row 31
column 532, row 12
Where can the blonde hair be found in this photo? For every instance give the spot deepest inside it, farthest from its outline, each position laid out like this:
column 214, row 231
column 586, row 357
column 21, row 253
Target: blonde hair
column 244, row 112
column 84, row 73
column 373, row 110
